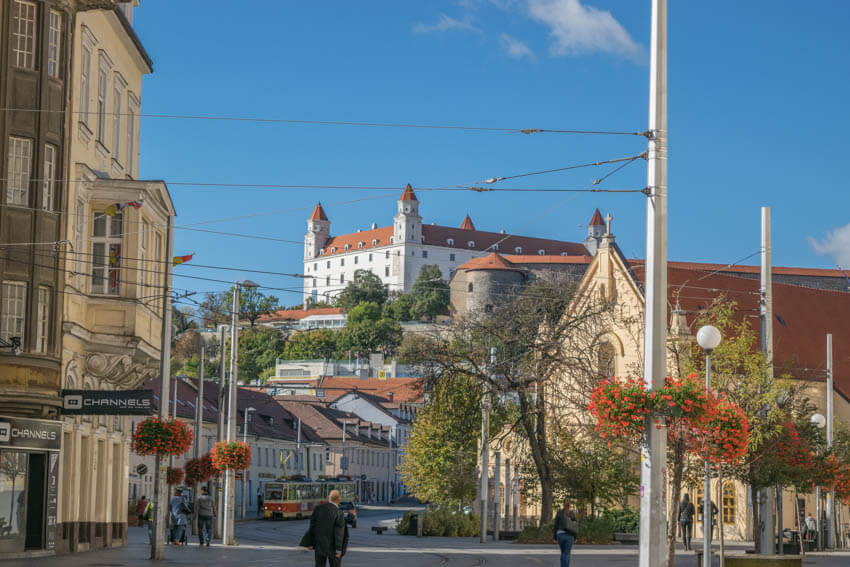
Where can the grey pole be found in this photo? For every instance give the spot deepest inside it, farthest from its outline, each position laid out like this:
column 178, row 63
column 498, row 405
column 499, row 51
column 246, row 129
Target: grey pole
column 160, row 487
column 245, row 472
column 515, row 503
column 389, row 463
column 508, row 493
column 220, row 435
column 199, row 419
column 706, row 491
column 829, row 417
column 654, row 444
column 767, row 505
column 497, row 481
column 485, row 450
column 229, row 475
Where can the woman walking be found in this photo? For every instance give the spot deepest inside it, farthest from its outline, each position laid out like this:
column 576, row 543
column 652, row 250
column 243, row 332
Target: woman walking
column 566, row 530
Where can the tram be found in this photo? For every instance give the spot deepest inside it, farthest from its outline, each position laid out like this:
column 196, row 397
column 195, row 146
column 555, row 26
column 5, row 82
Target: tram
column 297, row 498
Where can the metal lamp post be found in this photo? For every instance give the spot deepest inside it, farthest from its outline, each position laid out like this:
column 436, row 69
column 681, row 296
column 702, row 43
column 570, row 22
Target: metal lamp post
column 230, row 475
column 819, row 421
column 708, row 338
column 244, row 473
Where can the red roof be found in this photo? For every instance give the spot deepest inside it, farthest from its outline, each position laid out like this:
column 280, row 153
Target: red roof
column 803, row 317
column 359, row 240
column 491, row 262
column 298, row 314
column 318, row 213
column 403, row 389
column 483, row 240
column 408, row 194
column 467, row 224
column 783, row 270
column 596, row 220
column 547, row 259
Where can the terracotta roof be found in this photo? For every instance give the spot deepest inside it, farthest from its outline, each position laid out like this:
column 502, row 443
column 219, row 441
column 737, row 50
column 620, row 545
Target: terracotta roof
column 467, row 224
column 491, row 262
column 784, row 270
column 326, row 422
column 408, row 194
column 482, row 240
column 318, row 213
column 547, row 259
column 336, row 244
column 403, row 389
column 596, row 220
column 298, row 314
column 803, row 317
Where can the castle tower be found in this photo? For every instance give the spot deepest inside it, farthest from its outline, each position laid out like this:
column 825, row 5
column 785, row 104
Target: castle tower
column 595, row 232
column 318, row 232
column 408, row 224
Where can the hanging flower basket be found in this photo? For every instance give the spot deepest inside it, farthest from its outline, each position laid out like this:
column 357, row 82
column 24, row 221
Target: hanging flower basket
column 726, row 433
column 620, row 407
column 686, row 399
column 174, row 475
column 155, row 436
column 234, row 455
column 199, row 470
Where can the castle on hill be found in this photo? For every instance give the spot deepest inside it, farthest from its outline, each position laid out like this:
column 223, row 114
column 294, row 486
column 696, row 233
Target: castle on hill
column 396, row 253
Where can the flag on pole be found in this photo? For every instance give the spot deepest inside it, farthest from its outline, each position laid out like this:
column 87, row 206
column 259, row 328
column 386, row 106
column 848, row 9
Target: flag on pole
column 177, row 260
column 116, row 208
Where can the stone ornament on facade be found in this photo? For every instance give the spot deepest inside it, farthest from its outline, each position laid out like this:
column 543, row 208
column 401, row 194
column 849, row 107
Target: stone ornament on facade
column 104, row 371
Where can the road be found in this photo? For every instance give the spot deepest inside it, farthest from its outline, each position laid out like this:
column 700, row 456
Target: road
column 275, row 543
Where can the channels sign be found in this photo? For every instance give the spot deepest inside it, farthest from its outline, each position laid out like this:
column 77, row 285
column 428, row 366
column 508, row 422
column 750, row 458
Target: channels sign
column 107, row 402
column 35, row 434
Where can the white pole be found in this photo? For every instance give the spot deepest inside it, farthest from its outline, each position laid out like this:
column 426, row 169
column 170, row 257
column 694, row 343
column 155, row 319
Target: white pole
column 767, row 504
column 654, row 446
column 485, row 450
column 230, row 476
column 706, row 500
column 830, row 495
column 220, row 431
column 243, row 507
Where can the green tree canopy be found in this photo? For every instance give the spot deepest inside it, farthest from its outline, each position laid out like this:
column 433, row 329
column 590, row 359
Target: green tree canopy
column 365, row 312
column 259, row 348
column 365, row 286
column 430, row 294
column 367, row 336
column 319, row 343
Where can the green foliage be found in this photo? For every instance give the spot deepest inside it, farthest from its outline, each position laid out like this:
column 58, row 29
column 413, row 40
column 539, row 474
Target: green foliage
column 366, row 336
column 623, row 520
column 259, row 347
column 430, row 293
column 368, row 311
column 535, row 534
column 319, row 343
column 365, row 286
column 595, row 530
column 592, row 472
column 399, row 308
column 216, row 308
column 441, row 521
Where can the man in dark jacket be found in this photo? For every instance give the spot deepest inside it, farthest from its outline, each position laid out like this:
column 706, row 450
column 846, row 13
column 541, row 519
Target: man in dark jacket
column 686, row 520
column 327, row 532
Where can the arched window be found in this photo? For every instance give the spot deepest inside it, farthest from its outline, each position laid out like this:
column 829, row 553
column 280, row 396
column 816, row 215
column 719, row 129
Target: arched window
column 541, row 252
column 605, row 360
column 518, row 250
column 730, row 504
column 471, row 244
column 450, row 241
column 469, row 287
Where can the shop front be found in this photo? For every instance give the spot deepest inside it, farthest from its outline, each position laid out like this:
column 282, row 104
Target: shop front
column 29, row 469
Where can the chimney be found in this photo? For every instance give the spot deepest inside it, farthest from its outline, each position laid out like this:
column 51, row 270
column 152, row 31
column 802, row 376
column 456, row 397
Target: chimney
column 374, row 225
column 390, row 395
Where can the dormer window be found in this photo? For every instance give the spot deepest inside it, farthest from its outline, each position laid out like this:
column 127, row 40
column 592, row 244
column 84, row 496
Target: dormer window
column 496, row 247
column 450, row 241
column 564, row 254
column 360, row 244
column 541, row 252
column 333, row 249
column 392, row 239
column 321, row 251
column 518, row 250
column 374, row 242
column 347, row 246
column 471, row 244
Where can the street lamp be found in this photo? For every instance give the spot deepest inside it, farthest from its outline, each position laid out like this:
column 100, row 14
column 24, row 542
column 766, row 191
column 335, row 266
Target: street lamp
column 229, row 475
column 708, row 338
column 819, row 421
column 245, row 472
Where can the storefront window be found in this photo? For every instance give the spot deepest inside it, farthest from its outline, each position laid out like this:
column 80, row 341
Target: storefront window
column 13, row 474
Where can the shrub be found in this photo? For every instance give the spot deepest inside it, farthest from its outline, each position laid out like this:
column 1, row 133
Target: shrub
column 625, row 520
column 441, row 521
column 595, row 530
column 533, row 534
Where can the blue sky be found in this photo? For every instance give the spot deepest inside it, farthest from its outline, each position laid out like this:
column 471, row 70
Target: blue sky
column 758, row 95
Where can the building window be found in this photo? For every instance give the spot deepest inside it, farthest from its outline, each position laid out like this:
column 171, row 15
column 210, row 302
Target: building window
column 355, row 260
column 541, row 252
column 329, row 264
column 387, row 254
column 14, row 310
column 49, row 181
column 518, row 250
column 131, row 139
column 328, row 281
column 54, row 44
column 102, row 73
column 85, row 73
column 605, row 360
column 23, row 34
column 20, row 165
column 386, row 271
column 157, row 266
column 450, row 241
column 42, row 337
column 315, row 266
column 471, row 244
column 117, row 95
column 342, row 261
column 451, row 257
column 469, row 287
column 342, row 278
column 79, row 230
column 729, row 503
column 143, row 256
column 106, row 254
column 424, row 253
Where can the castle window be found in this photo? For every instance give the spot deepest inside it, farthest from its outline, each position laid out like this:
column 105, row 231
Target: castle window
column 387, row 254
column 386, row 271
column 451, row 257
column 321, row 251
column 370, row 256
column 469, row 287
column 450, row 241
column 328, row 281
column 392, row 239
column 518, row 249
column 360, row 244
column 424, row 253
column 496, row 247
column 471, row 244
column 329, row 264
column 541, row 252
column 347, row 246
column 315, row 266
column 314, row 282
column 342, row 261
column 564, row 254
column 355, row 260
column 374, row 242
column 342, row 278
column 333, row 249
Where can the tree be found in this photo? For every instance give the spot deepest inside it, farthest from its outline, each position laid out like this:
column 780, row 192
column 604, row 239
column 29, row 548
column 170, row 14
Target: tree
column 253, row 303
column 367, row 336
column 214, row 310
column 259, row 349
column 430, row 294
column 365, row 286
column 319, row 343
column 183, row 319
column 187, row 344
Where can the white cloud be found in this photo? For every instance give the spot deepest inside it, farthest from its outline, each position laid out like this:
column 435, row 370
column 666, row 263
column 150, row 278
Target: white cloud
column 447, row 23
column 576, row 28
column 515, row 48
column 836, row 244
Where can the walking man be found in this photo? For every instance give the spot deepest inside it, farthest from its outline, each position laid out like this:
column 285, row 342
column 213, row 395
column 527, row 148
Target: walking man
column 180, row 516
column 566, row 530
column 327, row 532
column 206, row 513
column 686, row 520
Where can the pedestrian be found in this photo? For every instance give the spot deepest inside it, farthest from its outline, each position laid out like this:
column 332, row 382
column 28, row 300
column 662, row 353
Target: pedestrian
column 566, row 530
column 179, row 515
column 140, row 510
column 326, row 535
column 686, row 520
column 260, row 504
column 148, row 516
column 206, row 513
column 811, row 532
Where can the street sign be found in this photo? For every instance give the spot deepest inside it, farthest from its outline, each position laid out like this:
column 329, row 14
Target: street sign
column 142, row 469
column 37, row 434
column 362, row 477
column 107, row 402
column 344, row 463
column 382, row 374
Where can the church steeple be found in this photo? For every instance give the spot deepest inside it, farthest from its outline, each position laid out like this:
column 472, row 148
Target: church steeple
column 467, row 224
column 595, row 232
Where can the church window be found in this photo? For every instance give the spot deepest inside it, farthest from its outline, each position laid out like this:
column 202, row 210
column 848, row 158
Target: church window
column 605, row 360
column 729, row 503
column 518, row 250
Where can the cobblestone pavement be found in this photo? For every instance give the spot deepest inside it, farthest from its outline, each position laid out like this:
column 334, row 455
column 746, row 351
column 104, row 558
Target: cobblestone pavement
column 275, row 543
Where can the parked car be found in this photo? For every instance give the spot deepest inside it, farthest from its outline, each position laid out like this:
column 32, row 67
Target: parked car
column 350, row 511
